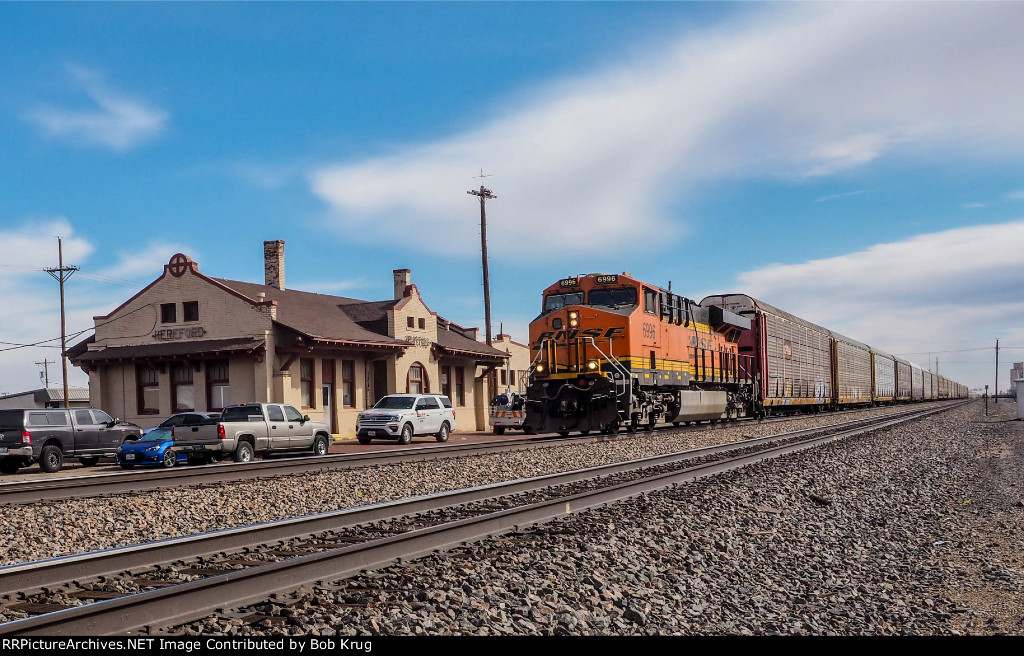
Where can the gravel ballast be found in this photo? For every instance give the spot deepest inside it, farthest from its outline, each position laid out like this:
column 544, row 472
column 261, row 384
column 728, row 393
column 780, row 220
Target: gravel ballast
column 915, row 530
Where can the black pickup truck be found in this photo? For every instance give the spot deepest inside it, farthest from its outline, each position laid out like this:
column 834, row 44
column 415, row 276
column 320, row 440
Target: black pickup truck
column 48, row 435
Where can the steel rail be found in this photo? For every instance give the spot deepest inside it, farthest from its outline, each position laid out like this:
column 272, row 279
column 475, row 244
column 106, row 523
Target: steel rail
column 89, row 485
column 29, row 577
column 193, row 600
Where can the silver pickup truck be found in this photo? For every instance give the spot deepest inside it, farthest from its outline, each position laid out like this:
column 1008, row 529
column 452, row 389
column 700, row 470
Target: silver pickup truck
column 247, row 429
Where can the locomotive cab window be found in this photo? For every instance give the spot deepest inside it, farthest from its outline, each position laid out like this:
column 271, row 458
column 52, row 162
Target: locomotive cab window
column 613, row 297
column 559, row 301
column 650, row 301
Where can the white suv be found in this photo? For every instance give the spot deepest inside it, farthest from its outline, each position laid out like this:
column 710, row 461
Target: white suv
column 400, row 416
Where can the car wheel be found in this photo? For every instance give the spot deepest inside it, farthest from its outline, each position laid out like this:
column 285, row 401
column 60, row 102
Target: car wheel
column 320, row 445
column 363, row 439
column 170, row 459
column 406, row 435
column 499, row 430
column 244, row 452
column 9, row 465
column 51, row 459
column 89, row 461
column 442, row 435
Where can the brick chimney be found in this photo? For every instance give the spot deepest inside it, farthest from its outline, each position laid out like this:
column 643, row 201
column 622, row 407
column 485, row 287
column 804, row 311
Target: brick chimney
column 403, row 278
column 273, row 263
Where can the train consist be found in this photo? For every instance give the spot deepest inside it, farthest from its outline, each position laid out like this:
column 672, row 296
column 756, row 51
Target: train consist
column 611, row 351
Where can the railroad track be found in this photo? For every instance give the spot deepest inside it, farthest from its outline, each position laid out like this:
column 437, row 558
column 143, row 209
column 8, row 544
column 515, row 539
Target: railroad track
column 164, row 584
column 91, row 485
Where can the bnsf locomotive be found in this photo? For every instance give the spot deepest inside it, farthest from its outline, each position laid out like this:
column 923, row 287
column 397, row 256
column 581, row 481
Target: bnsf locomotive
column 610, row 350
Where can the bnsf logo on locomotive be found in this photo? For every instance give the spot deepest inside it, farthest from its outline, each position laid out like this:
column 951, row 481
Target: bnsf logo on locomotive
column 563, row 335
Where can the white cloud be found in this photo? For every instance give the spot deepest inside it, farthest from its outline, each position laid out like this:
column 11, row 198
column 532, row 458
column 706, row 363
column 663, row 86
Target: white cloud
column 790, row 91
column 114, row 121
column 956, row 290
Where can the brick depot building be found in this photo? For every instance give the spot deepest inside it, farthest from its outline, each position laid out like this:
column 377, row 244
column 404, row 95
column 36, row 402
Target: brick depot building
column 191, row 342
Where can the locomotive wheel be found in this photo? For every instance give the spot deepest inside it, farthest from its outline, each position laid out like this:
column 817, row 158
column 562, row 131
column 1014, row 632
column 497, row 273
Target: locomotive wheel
column 633, row 423
column 612, row 428
column 650, row 423
column 585, row 433
column 564, row 433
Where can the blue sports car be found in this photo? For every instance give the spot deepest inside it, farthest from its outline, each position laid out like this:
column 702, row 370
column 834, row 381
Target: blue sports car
column 152, row 449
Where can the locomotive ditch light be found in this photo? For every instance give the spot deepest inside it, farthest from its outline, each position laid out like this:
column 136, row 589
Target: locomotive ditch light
column 540, row 369
column 592, row 365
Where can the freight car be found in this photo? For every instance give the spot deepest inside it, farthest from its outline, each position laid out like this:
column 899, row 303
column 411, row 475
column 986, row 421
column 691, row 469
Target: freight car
column 611, row 350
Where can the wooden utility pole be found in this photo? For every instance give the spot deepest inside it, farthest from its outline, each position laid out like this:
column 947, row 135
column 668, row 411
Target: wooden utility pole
column 484, row 193
column 60, row 274
column 45, row 364
column 997, row 372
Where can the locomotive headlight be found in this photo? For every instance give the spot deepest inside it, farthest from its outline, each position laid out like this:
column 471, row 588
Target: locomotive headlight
column 592, row 365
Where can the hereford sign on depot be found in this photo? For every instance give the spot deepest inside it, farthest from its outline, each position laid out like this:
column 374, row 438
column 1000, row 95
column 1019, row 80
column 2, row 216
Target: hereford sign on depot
column 174, row 334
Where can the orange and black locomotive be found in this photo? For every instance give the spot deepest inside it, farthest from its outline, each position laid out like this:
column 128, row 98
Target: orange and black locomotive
column 611, row 351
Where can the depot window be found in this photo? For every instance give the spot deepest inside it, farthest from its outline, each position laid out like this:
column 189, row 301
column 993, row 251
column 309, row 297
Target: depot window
column 348, row 383
column 148, row 384
column 306, row 382
column 168, row 312
column 190, row 310
column 183, row 398
column 416, row 382
column 217, row 389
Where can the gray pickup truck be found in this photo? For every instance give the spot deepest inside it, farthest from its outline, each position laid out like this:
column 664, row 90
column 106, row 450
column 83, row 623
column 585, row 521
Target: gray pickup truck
column 247, row 429
column 48, row 435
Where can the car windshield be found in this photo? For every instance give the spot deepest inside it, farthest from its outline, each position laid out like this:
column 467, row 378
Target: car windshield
column 157, row 435
column 395, row 403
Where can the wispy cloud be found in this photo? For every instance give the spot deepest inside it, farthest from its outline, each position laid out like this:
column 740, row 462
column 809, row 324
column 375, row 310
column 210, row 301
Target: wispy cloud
column 843, row 195
column 790, row 91
column 113, row 120
column 1015, row 195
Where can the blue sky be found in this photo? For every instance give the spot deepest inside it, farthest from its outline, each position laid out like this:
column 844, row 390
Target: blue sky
column 858, row 164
